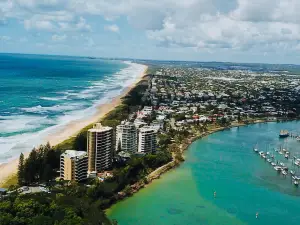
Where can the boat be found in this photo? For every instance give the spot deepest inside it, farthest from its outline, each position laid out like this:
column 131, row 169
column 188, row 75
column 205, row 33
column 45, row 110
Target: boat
column 277, row 168
column 298, row 138
column 269, row 160
column 280, row 152
column 264, row 156
column 273, row 164
column 255, row 149
column 268, row 153
column 281, row 164
column 297, row 163
column 292, row 172
column 296, row 183
column 283, row 134
column 296, row 178
column 286, row 156
column 284, row 173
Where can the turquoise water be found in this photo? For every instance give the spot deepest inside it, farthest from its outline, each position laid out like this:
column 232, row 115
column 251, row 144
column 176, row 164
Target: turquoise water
column 223, row 162
column 39, row 94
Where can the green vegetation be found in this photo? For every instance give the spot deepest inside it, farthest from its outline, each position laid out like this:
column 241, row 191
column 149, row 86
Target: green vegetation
column 75, row 203
column 40, row 166
column 11, row 181
column 59, row 209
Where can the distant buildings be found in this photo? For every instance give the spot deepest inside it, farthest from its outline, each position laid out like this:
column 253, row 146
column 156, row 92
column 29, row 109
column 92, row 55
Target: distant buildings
column 147, row 140
column 126, row 137
column 73, row 165
column 99, row 147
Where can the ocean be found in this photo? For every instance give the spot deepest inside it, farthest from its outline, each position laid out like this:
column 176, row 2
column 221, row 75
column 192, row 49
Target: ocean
column 39, row 94
column 224, row 163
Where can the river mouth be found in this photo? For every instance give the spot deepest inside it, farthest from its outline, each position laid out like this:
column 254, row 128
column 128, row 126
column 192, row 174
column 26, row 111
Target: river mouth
column 225, row 163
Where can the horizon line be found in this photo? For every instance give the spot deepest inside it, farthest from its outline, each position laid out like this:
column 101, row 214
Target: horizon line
column 142, row 59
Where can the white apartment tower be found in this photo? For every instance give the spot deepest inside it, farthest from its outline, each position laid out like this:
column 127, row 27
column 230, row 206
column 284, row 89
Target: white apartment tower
column 99, row 147
column 147, row 140
column 73, row 165
column 126, row 137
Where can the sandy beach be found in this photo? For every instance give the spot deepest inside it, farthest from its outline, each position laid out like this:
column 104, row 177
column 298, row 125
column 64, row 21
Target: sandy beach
column 9, row 169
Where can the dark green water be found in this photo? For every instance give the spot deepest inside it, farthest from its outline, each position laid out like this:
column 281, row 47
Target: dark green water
column 223, row 162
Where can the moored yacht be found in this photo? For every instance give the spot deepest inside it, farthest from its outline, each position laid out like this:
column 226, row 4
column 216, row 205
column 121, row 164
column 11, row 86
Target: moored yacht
column 296, row 183
column 277, row 168
column 283, row 134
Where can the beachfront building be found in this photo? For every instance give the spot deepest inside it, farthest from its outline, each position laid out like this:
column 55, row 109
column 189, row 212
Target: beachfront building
column 99, row 147
column 126, row 137
column 147, row 140
column 73, row 165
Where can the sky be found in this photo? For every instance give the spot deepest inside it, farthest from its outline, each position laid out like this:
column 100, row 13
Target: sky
column 262, row 31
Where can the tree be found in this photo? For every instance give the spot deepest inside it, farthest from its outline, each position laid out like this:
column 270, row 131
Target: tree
column 47, row 173
column 31, row 167
column 119, row 148
column 21, row 170
column 45, row 220
column 5, row 218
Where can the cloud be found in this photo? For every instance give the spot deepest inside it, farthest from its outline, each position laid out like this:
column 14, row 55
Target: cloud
column 5, row 38
column 57, row 22
column 58, row 38
column 113, row 28
column 39, row 25
column 23, row 39
column 204, row 25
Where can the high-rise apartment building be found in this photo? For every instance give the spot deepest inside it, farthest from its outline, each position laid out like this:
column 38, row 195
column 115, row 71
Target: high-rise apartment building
column 73, row 165
column 126, row 137
column 99, row 147
column 147, row 140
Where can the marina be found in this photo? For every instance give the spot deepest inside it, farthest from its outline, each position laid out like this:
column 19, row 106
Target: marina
column 224, row 163
column 281, row 160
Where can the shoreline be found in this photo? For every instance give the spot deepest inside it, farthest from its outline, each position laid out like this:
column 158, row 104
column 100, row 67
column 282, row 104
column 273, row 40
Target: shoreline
column 9, row 169
column 157, row 173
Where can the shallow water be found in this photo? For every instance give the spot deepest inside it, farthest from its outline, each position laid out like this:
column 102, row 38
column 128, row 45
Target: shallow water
column 223, row 162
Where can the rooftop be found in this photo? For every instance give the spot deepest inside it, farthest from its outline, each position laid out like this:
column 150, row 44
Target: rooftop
column 147, row 128
column 74, row 153
column 99, row 128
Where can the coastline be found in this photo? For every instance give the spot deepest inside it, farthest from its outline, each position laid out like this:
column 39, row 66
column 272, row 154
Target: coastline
column 156, row 174
column 9, row 169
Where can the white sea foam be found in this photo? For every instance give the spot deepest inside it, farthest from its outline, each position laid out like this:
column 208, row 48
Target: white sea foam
column 54, row 98
column 55, row 108
column 106, row 90
column 22, row 123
